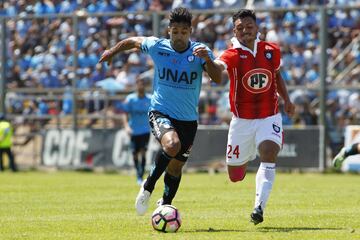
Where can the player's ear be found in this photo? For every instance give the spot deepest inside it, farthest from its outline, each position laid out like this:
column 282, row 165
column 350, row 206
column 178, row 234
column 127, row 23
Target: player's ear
column 168, row 29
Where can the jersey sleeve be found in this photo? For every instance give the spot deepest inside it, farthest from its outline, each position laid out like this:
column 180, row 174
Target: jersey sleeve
column 147, row 46
column 225, row 59
column 277, row 56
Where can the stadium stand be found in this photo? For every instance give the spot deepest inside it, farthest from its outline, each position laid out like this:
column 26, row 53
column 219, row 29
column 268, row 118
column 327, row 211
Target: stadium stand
column 40, row 54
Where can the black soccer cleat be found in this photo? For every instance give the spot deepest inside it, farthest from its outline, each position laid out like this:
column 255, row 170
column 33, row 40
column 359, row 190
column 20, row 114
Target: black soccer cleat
column 257, row 215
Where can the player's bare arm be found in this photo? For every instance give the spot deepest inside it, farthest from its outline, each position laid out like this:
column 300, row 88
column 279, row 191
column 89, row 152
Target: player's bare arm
column 211, row 67
column 282, row 90
column 126, row 44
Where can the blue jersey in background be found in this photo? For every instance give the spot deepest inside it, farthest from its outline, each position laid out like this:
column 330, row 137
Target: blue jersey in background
column 137, row 110
column 177, row 78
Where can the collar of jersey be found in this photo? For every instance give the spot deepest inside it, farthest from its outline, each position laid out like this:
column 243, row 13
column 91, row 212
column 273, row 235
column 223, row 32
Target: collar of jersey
column 237, row 44
column 189, row 46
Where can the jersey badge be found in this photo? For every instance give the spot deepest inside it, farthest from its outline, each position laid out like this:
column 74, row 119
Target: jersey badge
column 268, row 55
column 190, row 58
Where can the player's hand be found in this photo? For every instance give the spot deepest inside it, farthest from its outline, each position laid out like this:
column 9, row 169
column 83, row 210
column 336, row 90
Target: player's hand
column 201, row 52
column 128, row 130
column 106, row 57
column 289, row 108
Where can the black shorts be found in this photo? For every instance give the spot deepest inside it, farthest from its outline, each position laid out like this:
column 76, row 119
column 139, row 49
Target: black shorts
column 186, row 130
column 139, row 142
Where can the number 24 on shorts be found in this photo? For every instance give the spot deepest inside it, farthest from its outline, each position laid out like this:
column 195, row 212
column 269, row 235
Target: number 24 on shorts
column 233, row 150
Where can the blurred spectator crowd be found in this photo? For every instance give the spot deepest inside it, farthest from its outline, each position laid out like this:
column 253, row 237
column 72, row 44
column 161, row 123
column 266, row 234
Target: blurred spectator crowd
column 41, row 53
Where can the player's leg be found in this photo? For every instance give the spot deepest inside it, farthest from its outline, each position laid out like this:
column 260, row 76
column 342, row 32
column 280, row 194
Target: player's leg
column 135, row 153
column 237, row 173
column 172, row 180
column 344, row 153
column 269, row 139
column 143, row 148
column 170, row 144
column 165, row 133
column 187, row 131
column 11, row 160
column 1, row 160
column 240, row 148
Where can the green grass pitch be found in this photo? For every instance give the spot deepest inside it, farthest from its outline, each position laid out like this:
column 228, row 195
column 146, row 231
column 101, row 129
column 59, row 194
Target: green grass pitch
column 75, row 205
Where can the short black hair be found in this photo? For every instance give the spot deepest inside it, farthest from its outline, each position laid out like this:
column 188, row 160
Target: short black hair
column 243, row 13
column 180, row 15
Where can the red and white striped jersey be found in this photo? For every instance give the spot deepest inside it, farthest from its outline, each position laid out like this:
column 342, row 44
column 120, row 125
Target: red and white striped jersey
column 253, row 90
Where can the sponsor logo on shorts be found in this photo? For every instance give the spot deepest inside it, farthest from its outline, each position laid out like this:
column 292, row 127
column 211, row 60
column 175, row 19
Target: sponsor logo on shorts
column 187, row 153
column 276, row 128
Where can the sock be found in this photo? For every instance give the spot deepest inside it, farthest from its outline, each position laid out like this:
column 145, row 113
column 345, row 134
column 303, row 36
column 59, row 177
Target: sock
column 142, row 166
column 352, row 150
column 171, row 186
column 264, row 180
column 136, row 164
column 161, row 162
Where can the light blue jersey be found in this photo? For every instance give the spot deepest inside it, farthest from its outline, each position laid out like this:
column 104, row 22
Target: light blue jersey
column 177, row 78
column 137, row 109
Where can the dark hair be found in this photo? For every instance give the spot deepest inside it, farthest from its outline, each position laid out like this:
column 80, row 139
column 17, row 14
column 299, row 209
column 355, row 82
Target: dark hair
column 243, row 13
column 180, row 15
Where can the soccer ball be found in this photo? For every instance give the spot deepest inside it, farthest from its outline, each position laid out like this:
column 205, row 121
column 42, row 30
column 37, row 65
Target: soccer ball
column 166, row 218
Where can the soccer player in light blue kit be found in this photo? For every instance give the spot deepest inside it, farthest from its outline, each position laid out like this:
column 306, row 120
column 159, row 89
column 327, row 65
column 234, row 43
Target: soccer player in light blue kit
column 136, row 124
column 173, row 115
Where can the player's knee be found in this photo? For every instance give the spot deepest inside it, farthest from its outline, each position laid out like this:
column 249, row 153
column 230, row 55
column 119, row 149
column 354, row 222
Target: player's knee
column 237, row 174
column 172, row 147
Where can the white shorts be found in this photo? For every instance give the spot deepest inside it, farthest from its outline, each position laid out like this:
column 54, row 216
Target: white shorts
column 245, row 135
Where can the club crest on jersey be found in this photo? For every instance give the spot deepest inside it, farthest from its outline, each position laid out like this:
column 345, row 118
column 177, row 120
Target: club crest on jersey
column 190, row 58
column 268, row 55
column 276, row 128
column 257, row 80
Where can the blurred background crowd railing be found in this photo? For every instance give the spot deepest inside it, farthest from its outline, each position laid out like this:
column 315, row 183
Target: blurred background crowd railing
column 50, row 49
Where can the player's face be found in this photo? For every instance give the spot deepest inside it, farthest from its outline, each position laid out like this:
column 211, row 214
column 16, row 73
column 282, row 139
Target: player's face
column 245, row 29
column 179, row 36
column 140, row 84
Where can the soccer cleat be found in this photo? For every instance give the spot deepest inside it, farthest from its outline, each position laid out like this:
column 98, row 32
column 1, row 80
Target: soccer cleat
column 257, row 215
column 339, row 159
column 159, row 202
column 142, row 200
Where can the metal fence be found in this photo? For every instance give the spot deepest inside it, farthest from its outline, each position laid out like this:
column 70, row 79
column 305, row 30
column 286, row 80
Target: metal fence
column 157, row 20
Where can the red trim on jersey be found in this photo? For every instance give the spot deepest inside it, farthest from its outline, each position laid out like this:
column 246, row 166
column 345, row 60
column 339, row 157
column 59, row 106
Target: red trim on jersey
column 256, row 95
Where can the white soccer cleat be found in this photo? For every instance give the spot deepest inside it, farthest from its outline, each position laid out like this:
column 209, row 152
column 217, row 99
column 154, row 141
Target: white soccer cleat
column 142, row 200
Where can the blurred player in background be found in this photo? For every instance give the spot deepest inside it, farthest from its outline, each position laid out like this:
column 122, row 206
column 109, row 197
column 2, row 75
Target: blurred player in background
column 344, row 153
column 136, row 124
column 173, row 115
column 253, row 67
column 6, row 133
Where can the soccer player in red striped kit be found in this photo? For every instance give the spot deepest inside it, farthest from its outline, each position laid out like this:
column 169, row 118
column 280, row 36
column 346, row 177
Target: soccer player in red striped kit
column 253, row 67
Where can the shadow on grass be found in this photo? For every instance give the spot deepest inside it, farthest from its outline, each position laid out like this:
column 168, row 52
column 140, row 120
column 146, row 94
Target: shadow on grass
column 294, row 229
column 267, row 229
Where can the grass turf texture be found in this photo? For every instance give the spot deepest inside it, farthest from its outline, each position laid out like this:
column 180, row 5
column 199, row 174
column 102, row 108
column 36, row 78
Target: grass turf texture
column 75, row 205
